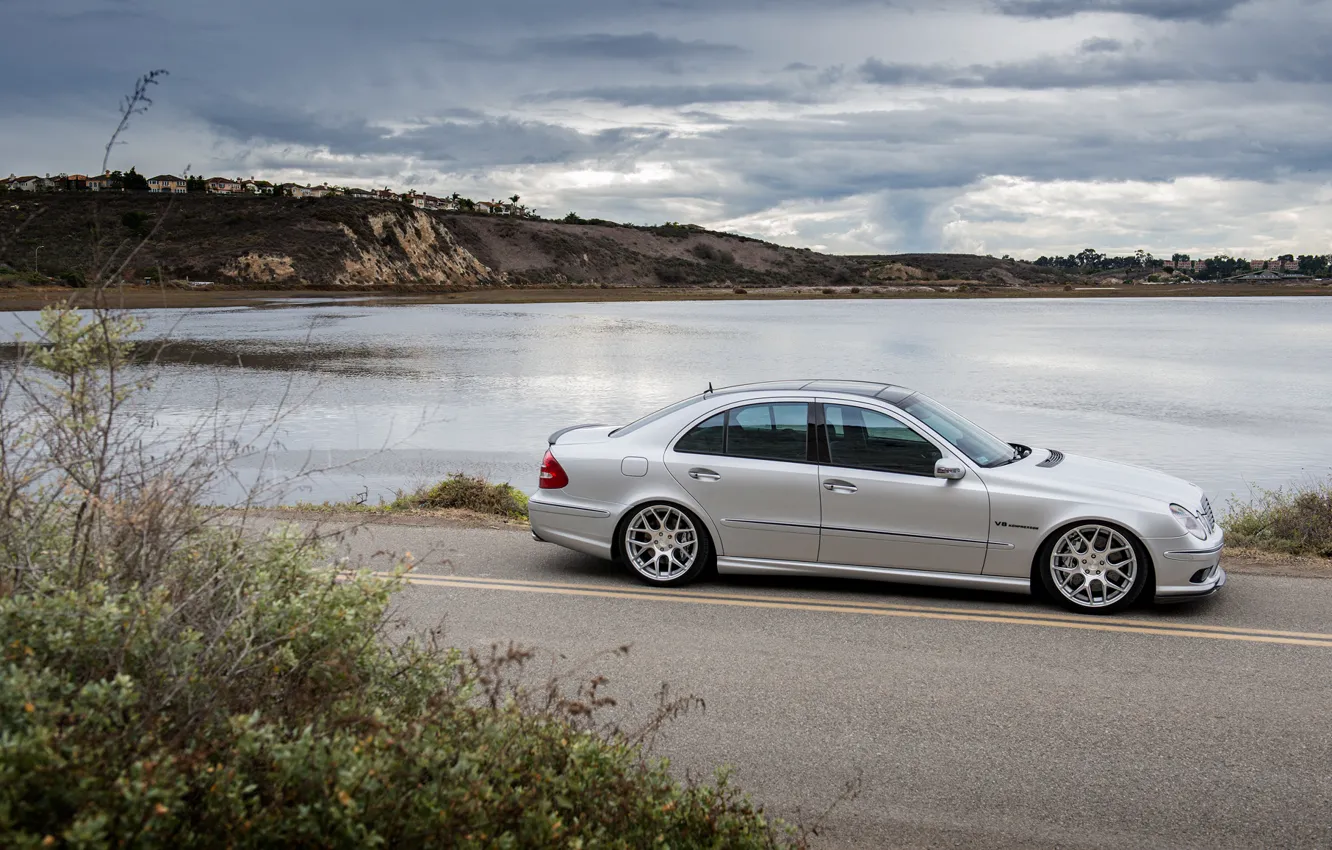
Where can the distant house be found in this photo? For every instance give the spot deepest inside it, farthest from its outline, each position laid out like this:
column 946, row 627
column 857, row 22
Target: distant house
column 167, row 184
column 29, row 183
column 386, row 195
column 360, row 194
column 105, row 183
column 298, row 191
column 258, row 187
column 224, row 186
column 72, row 183
column 489, row 207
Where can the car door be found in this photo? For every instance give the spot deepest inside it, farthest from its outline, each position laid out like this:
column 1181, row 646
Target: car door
column 882, row 505
column 754, row 470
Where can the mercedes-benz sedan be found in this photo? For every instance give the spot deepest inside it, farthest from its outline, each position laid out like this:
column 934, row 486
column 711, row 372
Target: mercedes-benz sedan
column 870, row 481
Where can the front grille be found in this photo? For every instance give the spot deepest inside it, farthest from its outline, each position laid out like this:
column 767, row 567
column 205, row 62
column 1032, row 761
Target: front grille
column 1205, row 514
column 1056, row 457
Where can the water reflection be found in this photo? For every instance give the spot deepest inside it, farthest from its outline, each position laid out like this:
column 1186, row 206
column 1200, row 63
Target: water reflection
column 1225, row 392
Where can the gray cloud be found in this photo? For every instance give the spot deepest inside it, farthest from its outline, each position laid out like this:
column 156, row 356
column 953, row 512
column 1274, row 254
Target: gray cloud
column 678, row 95
column 641, row 47
column 1207, row 11
column 1101, row 45
column 1103, row 63
column 452, row 144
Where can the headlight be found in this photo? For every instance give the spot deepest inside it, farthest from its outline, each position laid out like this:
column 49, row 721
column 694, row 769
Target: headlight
column 1191, row 523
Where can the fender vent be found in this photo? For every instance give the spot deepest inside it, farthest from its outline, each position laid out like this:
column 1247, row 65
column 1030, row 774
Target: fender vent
column 1056, row 457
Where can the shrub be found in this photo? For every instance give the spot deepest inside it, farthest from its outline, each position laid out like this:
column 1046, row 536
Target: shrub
column 710, row 254
column 468, row 492
column 1296, row 521
column 168, row 681
column 137, row 223
column 828, row 290
column 740, row 290
column 855, row 290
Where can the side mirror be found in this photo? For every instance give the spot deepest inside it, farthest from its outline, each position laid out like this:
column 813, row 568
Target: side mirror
column 949, row 469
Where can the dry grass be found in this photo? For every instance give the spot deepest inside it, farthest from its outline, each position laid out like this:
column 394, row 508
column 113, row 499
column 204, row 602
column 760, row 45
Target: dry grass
column 1294, row 521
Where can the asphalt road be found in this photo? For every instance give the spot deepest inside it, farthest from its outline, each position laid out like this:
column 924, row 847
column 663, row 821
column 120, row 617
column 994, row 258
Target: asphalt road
column 973, row 720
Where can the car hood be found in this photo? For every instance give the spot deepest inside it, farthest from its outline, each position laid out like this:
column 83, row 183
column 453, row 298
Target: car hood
column 1087, row 476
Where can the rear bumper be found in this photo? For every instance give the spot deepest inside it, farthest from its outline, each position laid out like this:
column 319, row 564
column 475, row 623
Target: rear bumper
column 581, row 527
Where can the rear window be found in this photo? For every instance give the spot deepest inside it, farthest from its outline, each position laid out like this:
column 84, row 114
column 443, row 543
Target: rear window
column 653, row 417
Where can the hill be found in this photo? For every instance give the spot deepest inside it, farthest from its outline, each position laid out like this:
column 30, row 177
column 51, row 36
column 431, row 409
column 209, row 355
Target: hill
column 342, row 243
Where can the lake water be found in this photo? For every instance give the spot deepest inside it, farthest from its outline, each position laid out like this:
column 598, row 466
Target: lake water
column 1228, row 393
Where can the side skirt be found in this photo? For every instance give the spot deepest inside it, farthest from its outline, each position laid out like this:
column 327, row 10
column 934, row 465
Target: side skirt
column 760, row 566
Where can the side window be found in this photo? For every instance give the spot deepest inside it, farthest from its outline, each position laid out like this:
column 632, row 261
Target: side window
column 768, row 431
column 706, row 438
column 867, row 439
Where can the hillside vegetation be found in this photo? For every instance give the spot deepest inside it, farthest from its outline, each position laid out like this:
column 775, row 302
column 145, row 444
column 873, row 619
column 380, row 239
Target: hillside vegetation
column 342, row 243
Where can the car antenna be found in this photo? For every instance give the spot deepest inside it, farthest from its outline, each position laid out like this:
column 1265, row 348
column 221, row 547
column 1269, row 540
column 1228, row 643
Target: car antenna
column 709, row 388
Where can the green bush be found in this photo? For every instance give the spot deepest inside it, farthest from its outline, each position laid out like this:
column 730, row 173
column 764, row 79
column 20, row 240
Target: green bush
column 169, row 680
column 468, row 492
column 1295, row 521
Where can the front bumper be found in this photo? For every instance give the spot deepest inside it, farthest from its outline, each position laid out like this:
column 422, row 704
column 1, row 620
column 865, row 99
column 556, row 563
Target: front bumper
column 1188, row 568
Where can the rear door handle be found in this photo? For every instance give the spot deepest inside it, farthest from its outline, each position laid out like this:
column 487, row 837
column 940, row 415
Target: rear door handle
column 701, row 474
column 837, row 485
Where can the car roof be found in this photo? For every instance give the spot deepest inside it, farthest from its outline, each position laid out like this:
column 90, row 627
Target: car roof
column 891, row 393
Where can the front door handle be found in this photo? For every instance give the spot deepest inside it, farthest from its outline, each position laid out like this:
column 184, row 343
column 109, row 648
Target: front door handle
column 701, row 474
column 837, row 485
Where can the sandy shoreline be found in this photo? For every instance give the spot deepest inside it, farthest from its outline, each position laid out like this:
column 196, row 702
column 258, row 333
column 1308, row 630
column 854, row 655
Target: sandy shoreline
column 140, row 297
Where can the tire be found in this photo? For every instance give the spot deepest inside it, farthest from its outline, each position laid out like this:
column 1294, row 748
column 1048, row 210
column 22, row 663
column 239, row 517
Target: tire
column 663, row 545
column 1093, row 567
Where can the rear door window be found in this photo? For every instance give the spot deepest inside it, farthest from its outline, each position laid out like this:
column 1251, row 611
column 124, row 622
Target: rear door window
column 764, row 431
column 768, row 431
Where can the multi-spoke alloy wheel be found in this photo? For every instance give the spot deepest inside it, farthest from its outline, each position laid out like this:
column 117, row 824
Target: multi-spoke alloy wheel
column 1095, row 567
column 663, row 545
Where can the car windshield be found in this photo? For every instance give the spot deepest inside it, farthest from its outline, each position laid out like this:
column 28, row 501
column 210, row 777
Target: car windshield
column 976, row 443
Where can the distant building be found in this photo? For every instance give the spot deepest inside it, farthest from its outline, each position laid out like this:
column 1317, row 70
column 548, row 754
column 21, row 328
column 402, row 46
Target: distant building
column 167, row 184
column 72, row 183
column 1269, row 275
column 360, row 194
column 224, row 186
column 29, row 183
column 105, row 183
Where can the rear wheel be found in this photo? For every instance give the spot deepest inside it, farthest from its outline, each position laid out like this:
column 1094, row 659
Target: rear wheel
column 665, row 545
column 1093, row 568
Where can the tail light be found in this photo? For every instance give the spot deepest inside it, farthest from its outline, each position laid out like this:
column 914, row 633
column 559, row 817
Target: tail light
column 553, row 476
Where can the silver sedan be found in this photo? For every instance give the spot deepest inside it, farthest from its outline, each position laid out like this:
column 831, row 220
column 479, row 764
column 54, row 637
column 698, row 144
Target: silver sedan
column 870, row 481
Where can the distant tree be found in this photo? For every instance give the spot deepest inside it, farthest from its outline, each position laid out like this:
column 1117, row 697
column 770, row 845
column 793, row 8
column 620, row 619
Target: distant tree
column 1179, row 258
column 1313, row 265
column 133, row 181
column 1089, row 258
column 1222, row 266
column 1287, row 258
column 196, row 184
column 573, row 218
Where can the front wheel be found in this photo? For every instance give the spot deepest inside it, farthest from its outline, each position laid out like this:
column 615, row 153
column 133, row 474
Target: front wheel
column 1093, row 568
column 665, row 545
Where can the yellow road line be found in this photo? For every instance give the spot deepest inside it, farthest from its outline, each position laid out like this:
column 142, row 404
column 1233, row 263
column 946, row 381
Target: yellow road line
column 657, row 596
column 891, row 606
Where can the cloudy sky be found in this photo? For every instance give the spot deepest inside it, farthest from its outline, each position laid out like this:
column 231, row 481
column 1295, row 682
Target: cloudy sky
column 1016, row 127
